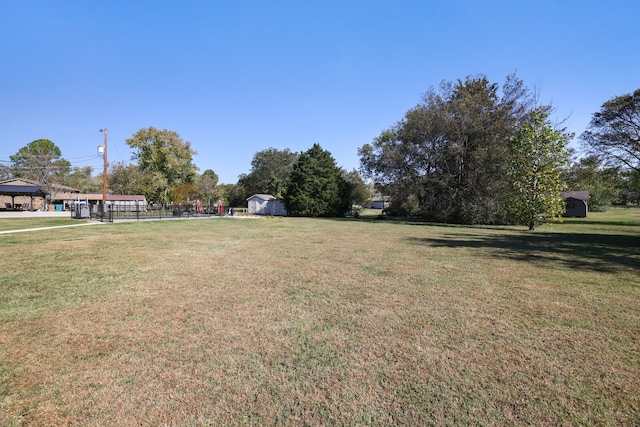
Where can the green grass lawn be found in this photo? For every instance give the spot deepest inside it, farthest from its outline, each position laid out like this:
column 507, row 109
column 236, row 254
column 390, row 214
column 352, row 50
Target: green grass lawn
column 7, row 224
column 292, row 321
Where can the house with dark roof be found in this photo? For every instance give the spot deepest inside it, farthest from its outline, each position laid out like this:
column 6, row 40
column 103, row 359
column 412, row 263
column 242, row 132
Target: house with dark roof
column 576, row 203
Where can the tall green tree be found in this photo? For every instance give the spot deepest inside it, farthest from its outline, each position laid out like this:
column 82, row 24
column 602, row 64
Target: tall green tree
column 317, row 186
column 40, row 161
column 614, row 131
column 447, row 159
column 538, row 153
column 270, row 171
column 164, row 155
column 208, row 186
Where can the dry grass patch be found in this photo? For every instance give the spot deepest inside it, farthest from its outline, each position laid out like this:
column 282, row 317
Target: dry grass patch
column 319, row 322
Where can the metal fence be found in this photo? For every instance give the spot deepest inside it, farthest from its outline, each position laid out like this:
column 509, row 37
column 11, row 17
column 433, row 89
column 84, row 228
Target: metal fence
column 114, row 213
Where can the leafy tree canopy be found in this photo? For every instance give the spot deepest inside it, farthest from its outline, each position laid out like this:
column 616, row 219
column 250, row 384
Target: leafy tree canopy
column 164, row 155
column 614, row 131
column 185, row 193
column 130, row 179
column 446, row 160
column 82, row 179
column 207, row 186
column 317, row 186
column 270, row 171
column 40, row 161
column 231, row 195
column 630, row 187
column 360, row 193
column 538, row 153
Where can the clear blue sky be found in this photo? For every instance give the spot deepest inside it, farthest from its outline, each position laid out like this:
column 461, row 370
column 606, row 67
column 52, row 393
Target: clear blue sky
column 237, row 77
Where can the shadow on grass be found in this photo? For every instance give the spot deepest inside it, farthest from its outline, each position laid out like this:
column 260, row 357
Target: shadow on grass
column 602, row 223
column 599, row 252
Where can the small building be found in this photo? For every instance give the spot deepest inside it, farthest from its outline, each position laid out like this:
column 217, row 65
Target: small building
column 379, row 202
column 115, row 202
column 265, row 204
column 21, row 194
column 576, row 203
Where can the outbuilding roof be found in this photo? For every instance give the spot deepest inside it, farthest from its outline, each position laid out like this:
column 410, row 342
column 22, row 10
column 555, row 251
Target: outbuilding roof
column 20, row 189
column 263, row 197
column 579, row 195
column 98, row 197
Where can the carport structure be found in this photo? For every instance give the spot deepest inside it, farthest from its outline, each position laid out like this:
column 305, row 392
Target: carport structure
column 21, row 195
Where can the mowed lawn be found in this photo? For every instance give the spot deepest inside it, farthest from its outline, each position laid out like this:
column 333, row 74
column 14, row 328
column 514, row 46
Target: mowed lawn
column 292, row 321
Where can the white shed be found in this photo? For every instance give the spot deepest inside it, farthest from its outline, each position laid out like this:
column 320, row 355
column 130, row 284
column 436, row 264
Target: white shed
column 266, row 204
column 379, row 202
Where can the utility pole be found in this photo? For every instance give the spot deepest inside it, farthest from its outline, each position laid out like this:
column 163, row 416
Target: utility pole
column 104, row 173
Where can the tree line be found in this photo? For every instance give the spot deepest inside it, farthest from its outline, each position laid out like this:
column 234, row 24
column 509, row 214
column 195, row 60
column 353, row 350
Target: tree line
column 162, row 169
column 475, row 152
column 470, row 152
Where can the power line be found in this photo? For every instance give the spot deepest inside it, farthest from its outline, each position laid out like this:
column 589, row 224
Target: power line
column 47, row 127
column 70, row 160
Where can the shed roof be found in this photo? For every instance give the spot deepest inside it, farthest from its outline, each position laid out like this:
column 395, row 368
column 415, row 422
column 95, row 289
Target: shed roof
column 263, row 197
column 98, row 197
column 579, row 195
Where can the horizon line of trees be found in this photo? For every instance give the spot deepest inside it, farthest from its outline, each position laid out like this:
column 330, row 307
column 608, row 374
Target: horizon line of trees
column 471, row 152
column 310, row 182
column 474, row 152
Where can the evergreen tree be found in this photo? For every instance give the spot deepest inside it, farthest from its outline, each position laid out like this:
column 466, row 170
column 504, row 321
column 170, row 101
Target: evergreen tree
column 40, row 161
column 317, row 186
